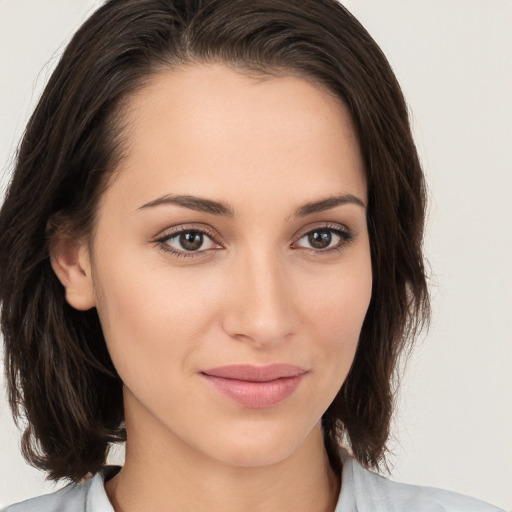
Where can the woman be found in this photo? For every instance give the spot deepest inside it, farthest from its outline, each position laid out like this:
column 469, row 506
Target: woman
column 217, row 214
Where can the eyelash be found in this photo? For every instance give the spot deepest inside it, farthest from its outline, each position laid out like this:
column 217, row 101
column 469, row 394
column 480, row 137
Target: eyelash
column 345, row 235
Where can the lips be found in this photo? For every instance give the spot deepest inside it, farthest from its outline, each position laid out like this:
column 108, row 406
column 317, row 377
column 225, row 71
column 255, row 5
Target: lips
column 255, row 386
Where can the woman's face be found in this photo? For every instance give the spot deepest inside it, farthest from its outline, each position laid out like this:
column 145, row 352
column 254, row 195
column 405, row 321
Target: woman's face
column 234, row 235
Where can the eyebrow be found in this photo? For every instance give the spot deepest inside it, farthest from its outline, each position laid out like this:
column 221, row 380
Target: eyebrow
column 201, row 204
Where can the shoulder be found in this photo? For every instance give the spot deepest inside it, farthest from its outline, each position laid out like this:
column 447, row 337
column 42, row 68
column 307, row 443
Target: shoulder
column 370, row 492
column 66, row 499
column 85, row 496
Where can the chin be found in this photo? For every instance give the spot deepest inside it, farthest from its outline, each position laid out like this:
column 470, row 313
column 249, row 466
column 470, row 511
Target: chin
column 261, row 445
column 255, row 456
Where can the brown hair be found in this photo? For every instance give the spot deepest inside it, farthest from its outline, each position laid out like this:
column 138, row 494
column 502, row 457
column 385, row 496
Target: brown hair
column 59, row 373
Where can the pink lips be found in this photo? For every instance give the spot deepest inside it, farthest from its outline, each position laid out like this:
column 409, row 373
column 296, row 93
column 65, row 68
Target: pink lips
column 256, row 386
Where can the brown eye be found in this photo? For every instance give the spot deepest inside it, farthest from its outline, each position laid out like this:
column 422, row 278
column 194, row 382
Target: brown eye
column 187, row 242
column 325, row 239
column 320, row 239
column 191, row 240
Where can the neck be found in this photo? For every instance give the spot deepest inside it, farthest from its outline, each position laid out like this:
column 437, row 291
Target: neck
column 163, row 474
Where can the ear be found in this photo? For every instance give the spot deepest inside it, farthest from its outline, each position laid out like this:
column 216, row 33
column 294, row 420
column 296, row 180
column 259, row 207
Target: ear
column 71, row 263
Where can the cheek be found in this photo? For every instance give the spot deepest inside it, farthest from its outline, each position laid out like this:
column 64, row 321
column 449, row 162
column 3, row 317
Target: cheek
column 148, row 318
column 336, row 312
column 340, row 304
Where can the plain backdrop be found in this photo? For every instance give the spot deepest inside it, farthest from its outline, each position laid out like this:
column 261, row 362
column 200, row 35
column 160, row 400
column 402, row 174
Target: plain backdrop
column 453, row 425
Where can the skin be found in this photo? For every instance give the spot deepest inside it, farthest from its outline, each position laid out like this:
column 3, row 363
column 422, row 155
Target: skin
column 255, row 292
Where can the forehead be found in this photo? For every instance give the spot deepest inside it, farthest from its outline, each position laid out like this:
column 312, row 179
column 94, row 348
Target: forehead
column 220, row 131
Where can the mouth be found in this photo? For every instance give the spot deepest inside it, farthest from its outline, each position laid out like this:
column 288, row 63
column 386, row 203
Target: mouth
column 255, row 387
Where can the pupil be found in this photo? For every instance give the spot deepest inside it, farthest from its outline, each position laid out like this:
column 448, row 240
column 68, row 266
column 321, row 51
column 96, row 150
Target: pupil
column 191, row 240
column 320, row 239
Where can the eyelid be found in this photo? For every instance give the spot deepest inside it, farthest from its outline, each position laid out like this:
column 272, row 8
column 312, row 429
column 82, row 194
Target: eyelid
column 176, row 230
column 327, row 226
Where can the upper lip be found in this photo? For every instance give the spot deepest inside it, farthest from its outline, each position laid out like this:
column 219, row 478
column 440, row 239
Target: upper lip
column 253, row 373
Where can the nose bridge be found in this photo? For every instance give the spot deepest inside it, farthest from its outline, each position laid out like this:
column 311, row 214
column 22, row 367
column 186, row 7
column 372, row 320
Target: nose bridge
column 261, row 304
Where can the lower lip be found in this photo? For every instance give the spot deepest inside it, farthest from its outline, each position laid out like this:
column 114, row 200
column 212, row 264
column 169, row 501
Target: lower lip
column 256, row 395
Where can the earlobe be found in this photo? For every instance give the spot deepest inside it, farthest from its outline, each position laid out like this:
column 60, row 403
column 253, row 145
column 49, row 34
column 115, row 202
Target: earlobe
column 71, row 263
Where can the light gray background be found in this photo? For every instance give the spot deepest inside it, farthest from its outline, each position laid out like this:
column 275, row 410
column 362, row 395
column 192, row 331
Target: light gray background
column 454, row 61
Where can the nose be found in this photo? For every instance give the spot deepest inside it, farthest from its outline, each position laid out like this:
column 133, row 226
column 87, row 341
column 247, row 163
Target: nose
column 260, row 307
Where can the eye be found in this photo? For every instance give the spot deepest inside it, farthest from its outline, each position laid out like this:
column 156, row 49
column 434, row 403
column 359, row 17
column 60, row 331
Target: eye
column 187, row 242
column 325, row 239
column 194, row 242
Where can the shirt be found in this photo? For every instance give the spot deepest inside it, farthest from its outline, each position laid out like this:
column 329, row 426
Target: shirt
column 361, row 491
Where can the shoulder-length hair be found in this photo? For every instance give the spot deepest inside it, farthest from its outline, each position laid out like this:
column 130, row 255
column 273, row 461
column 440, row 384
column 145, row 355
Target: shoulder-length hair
column 59, row 373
